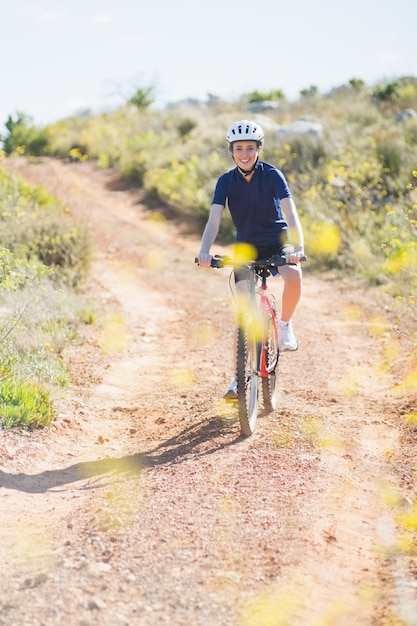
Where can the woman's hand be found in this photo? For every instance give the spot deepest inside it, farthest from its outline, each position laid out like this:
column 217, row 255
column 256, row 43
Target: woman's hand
column 204, row 259
column 294, row 254
column 295, row 257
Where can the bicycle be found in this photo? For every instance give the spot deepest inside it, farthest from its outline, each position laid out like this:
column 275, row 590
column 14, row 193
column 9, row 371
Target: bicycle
column 257, row 342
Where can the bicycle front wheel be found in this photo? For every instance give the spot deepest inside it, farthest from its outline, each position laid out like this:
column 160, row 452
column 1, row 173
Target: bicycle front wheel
column 247, row 377
column 270, row 387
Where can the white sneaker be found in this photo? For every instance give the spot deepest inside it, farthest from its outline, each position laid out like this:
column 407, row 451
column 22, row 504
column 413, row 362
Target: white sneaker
column 286, row 337
column 231, row 392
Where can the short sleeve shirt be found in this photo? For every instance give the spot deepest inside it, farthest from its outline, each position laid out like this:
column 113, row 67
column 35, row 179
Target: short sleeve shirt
column 255, row 205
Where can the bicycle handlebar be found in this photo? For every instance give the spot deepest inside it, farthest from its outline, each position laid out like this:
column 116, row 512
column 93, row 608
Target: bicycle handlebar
column 219, row 261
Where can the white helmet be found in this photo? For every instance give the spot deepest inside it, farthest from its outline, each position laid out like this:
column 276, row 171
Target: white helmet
column 245, row 130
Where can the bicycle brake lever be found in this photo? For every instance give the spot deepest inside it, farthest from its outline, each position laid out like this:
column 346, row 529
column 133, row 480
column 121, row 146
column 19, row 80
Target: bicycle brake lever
column 217, row 261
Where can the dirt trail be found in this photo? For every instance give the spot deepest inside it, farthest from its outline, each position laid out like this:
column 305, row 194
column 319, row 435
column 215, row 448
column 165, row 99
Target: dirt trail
column 143, row 505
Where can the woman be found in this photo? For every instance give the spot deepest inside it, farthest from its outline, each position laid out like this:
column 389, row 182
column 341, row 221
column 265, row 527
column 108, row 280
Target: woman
column 265, row 217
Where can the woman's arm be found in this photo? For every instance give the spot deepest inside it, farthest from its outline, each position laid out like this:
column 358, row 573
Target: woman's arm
column 294, row 225
column 209, row 235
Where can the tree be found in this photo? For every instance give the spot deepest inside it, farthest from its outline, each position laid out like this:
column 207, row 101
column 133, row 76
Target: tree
column 23, row 136
column 357, row 84
column 143, row 97
column 311, row 92
column 387, row 92
column 260, row 96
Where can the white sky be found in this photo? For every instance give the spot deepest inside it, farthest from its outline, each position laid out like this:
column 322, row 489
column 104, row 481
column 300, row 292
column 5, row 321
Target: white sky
column 59, row 56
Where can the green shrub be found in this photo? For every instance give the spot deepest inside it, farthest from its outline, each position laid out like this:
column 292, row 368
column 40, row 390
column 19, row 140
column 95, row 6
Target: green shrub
column 15, row 273
column 32, row 335
column 410, row 132
column 7, row 364
column 183, row 184
column 23, row 137
column 357, row 84
column 260, row 96
column 386, row 92
column 46, row 249
column 24, row 404
column 296, row 155
column 138, row 153
column 185, row 126
column 407, row 96
column 34, row 225
column 143, row 97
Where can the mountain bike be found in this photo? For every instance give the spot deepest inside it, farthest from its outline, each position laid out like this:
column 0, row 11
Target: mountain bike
column 257, row 342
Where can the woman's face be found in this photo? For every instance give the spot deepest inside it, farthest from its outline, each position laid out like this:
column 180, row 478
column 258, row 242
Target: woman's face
column 245, row 153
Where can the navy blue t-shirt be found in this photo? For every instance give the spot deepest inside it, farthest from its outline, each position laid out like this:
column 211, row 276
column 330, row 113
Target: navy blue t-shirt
column 255, row 205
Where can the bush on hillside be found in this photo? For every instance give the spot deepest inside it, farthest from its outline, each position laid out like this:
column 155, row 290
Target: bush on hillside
column 23, row 137
column 354, row 177
column 33, row 225
column 43, row 253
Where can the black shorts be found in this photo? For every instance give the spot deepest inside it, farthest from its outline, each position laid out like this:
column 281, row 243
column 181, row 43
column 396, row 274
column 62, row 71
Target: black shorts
column 262, row 252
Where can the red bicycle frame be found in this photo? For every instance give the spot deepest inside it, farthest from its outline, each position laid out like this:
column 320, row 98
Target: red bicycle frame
column 266, row 309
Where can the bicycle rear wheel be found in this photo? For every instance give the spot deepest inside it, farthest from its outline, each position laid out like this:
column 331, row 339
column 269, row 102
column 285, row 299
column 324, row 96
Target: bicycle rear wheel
column 247, row 377
column 270, row 387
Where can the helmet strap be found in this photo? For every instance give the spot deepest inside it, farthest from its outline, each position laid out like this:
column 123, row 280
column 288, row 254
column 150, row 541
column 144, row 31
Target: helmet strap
column 247, row 172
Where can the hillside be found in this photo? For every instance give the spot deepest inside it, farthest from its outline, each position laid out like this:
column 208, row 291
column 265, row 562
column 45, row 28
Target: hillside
column 141, row 504
column 348, row 155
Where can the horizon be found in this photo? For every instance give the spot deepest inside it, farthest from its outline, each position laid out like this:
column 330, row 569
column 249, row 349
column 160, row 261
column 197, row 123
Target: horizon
column 94, row 54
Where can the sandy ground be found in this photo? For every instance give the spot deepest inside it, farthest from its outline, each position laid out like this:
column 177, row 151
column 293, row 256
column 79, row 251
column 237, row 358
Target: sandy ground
column 142, row 504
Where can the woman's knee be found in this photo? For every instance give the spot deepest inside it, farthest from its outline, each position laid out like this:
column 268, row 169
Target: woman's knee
column 292, row 275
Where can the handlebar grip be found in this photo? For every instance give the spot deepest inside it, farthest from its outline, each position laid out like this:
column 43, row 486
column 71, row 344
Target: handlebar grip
column 216, row 262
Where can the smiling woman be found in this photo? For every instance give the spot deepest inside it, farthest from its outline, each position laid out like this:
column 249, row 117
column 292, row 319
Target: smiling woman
column 245, row 154
column 265, row 217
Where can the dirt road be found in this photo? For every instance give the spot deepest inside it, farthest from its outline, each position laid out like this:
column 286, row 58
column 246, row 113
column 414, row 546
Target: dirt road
column 141, row 504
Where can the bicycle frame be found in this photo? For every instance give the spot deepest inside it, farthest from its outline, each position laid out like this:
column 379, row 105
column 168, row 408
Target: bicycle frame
column 257, row 349
column 265, row 309
column 257, row 353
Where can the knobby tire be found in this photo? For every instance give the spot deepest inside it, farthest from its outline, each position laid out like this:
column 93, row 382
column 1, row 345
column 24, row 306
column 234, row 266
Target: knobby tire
column 247, row 377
